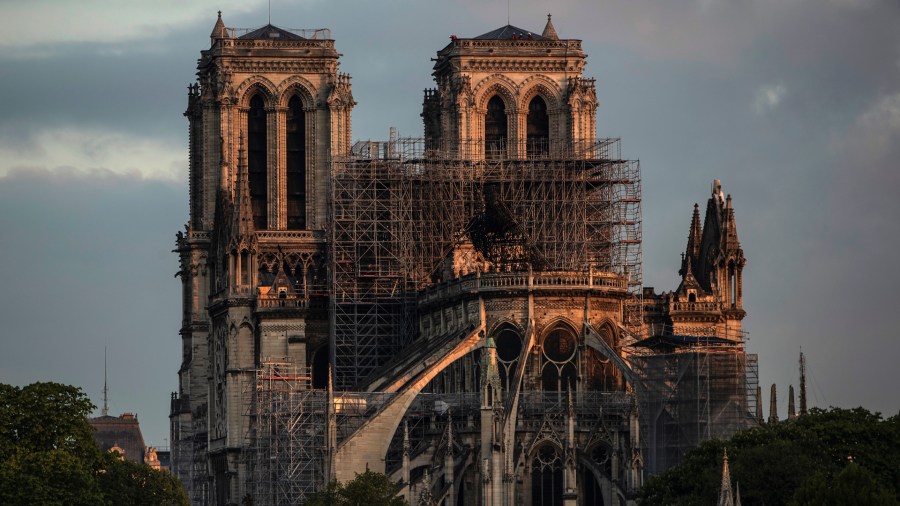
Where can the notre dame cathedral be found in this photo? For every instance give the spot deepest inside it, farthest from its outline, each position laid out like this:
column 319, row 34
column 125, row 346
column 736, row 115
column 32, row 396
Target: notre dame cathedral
column 463, row 311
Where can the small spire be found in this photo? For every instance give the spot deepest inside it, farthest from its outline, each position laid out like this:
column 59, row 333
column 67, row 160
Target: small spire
column 549, row 31
column 726, row 497
column 695, row 236
column 218, row 31
column 242, row 226
column 732, row 242
column 792, row 413
column 773, row 406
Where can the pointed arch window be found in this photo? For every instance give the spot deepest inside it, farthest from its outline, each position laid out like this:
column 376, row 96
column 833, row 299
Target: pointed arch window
column 537, row 127
column 257, row 166
column 495, row 128
column 296, row 164
column 546, row 477
column 559, row 373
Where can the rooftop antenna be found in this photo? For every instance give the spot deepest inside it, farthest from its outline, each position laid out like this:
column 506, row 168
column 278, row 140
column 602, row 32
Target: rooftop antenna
column 507, row 12
column 105, row 411
column 270, row 12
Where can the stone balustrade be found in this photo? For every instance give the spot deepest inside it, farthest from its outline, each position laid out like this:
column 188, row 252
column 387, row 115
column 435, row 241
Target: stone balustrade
column 542, row 281
column 698, row 307
column 290, row 301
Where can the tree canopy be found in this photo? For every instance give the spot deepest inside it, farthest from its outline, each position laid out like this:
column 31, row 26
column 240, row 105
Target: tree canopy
column 819, row 458
column 369, row 488
column 48, row 455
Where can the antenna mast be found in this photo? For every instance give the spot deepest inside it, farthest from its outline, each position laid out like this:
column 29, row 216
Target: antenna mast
column 105, row 411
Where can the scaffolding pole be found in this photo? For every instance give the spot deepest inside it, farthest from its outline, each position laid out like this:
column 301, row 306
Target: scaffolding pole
column 285, row 457
column 398, row 211
column 692, row 395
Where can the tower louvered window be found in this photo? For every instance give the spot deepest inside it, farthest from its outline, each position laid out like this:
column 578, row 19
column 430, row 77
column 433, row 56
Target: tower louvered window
column 538, row 127
column 257, row 162
column 296, row 165
column 495, row 129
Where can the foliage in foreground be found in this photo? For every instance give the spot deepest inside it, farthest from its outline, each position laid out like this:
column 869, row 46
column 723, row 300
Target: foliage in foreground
column 48, row 455
column 821, row 458
column 369, row 488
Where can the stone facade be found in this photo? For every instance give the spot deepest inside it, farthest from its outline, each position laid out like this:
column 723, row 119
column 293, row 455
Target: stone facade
column 514, row 384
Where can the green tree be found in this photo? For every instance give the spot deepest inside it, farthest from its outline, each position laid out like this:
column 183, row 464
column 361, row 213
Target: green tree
column 774, row 461
column 124, row 482
column 51, row 478
column 48, row 455
column 853, row 485
column 46, row 416
column 369, row 489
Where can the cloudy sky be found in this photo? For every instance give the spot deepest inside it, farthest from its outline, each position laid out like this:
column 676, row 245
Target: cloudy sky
column 794, row 105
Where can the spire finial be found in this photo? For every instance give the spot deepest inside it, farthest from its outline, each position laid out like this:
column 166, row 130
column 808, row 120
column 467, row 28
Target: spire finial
column 219, row 30
column 549, row 31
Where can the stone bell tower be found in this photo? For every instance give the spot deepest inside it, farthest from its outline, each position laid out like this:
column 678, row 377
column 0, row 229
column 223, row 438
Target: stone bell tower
column 510, row 93
column 266, row 116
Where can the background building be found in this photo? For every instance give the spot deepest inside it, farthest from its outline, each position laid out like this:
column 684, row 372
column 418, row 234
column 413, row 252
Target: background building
column 464, row 311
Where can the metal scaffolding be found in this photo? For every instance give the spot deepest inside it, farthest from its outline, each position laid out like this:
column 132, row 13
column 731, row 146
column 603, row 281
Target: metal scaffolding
column 693, row 394
column 399, row 210
column 285, row 457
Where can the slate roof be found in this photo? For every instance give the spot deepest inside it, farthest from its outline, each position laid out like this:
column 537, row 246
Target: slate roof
column 271, row 32
column 511, row 32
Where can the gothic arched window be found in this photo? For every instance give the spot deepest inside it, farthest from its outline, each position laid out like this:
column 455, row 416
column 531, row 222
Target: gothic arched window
column 495, row 128
column 509, row 346
column 538, row 127
column 559, row 373
column 296, row 165
column 546, row 477
column 257, row 161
